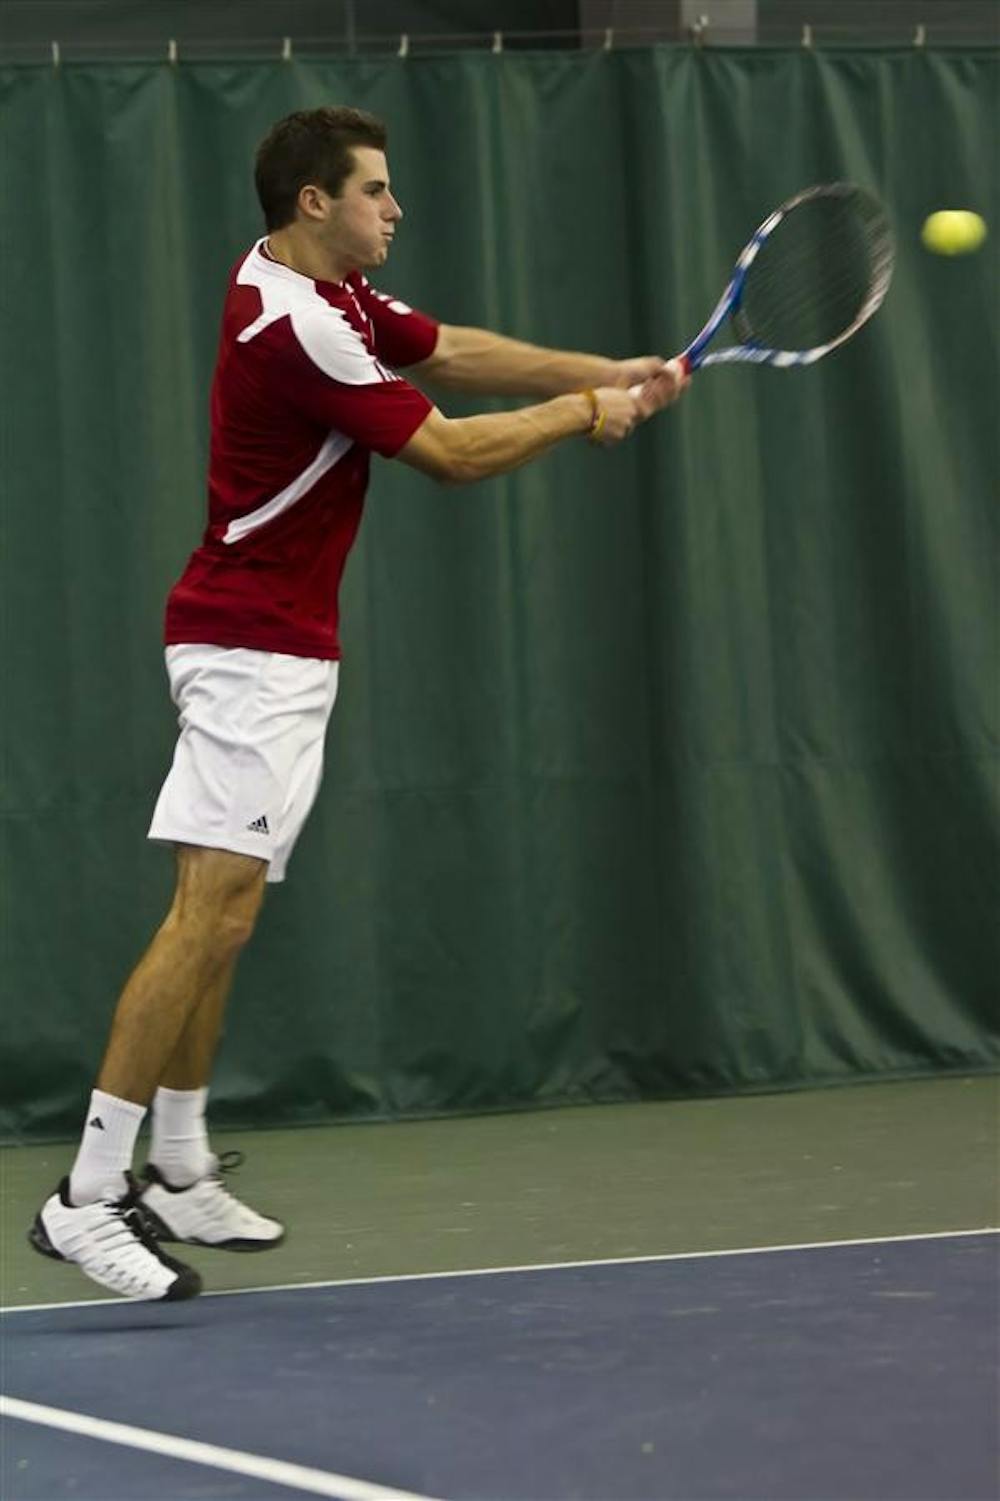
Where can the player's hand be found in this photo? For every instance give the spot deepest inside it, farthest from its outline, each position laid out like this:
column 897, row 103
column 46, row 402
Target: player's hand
column 620, row 411
column 634, row 372
column 661, row 389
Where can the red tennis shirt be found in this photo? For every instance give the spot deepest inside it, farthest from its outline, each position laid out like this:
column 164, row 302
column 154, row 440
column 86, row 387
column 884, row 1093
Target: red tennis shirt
column 303, row 391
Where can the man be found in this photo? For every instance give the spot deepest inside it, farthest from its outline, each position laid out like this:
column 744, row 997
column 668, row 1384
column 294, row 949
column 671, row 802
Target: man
column 304, row 390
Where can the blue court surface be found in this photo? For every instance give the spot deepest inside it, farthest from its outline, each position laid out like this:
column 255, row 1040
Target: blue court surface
column 828, row 1373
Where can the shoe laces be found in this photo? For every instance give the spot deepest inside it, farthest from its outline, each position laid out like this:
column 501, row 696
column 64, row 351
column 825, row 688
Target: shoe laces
column 127, row 1210
column 215, row 1196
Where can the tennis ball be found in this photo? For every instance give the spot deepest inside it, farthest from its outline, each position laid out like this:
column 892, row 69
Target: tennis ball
column 953, row 231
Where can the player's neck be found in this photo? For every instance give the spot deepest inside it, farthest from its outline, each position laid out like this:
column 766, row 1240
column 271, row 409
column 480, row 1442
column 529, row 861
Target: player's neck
column 301, row 253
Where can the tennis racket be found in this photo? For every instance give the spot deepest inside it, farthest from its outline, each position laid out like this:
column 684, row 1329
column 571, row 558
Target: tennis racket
column 810, row 277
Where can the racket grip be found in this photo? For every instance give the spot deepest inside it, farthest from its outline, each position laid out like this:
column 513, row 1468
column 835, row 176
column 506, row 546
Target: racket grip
column 678, row 359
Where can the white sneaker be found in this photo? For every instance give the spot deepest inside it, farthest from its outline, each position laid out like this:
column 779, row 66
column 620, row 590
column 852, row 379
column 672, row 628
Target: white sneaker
column 111, row 1244
column 206, row 1213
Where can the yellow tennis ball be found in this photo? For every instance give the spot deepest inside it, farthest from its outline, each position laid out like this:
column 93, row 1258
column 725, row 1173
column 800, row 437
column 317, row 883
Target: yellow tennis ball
column 953, row 231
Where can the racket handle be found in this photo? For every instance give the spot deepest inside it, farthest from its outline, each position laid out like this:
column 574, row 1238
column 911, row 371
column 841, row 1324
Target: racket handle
column 678, row 359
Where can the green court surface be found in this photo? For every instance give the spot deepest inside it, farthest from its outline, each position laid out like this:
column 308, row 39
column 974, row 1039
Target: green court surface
column 577, row 1184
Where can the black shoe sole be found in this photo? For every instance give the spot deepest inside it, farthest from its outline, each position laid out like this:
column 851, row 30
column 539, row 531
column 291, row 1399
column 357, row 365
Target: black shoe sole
column 163, row 1232
column 188, row 1285
column 246, row 1246
column 40, row 1242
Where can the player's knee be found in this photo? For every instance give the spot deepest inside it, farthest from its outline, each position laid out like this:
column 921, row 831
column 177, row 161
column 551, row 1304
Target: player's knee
column 217, row 901
column 233, row 928
column 236, row 913
column 219, row 929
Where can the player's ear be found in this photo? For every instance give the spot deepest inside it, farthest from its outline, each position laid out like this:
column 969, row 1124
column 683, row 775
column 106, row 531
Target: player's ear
column 313, row 202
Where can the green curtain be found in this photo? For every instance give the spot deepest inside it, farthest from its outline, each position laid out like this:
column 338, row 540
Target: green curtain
column 659, row 771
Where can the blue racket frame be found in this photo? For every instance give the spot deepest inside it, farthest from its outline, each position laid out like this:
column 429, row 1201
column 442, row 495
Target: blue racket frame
column 695, row 356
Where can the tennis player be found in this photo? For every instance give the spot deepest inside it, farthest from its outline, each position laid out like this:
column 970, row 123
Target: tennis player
column 305, row 390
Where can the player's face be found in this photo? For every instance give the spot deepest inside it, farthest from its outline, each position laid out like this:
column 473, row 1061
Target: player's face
column 363, row 219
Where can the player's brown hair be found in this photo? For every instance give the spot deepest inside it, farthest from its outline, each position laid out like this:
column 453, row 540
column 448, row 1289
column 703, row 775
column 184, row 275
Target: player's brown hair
column 310, row 146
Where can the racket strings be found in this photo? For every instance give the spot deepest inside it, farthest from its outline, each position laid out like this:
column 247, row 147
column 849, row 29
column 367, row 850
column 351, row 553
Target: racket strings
column 799, row 311
column 822, row 271
column 805, row 294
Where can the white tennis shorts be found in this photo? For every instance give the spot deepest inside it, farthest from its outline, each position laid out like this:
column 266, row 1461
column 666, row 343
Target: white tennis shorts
column 249, row 759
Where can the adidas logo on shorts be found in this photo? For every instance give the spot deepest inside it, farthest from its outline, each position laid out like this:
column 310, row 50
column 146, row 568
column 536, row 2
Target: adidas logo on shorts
column 259, row 825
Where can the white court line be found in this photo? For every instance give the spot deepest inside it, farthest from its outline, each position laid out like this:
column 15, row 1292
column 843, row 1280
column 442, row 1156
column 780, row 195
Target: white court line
column 541, row 1266
column 257, row 1466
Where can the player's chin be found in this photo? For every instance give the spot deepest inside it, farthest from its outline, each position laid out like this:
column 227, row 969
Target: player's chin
column 375, row 257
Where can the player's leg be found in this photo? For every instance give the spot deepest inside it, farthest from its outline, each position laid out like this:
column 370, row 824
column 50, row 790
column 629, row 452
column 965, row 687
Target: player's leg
column 212, row 916
column 92, row 1218
column 190, row 1066
column 179, row 1145
column 279, row 761
column 184, row 1197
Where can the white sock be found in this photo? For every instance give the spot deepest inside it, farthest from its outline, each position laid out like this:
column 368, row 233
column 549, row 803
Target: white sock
column 179, row 1148
column 106, row 1148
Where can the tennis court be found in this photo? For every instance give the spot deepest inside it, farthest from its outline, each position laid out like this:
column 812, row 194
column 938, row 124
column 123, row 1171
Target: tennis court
column 629, row 1302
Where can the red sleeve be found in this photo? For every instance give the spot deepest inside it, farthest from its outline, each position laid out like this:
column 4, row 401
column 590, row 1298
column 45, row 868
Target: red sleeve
column 377, row 409
column 403, row 336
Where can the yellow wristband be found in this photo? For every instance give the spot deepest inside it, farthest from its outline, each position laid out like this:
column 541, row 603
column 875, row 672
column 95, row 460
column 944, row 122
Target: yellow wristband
column 598, row 416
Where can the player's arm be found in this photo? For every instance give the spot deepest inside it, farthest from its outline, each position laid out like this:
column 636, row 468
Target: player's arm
column 330, row 372
column 460, row 450
column 476, row 360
